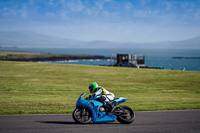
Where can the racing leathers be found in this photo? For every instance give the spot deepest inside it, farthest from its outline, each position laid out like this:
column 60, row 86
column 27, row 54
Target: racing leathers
column 105, row 97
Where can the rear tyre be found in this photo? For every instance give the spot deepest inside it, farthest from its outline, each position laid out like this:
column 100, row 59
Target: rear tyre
column 82, row 115
column 127, row 117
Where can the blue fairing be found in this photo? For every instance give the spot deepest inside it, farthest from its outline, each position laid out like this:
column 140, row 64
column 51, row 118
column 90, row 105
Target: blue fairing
column 94, row 106
column 119, row 100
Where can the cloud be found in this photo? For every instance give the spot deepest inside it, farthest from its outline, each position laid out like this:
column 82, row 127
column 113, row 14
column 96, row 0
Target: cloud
column 23, row 11
column 99, row 4
column 128, row 6
column 50, row 14
column 197, row 14
column 147, row 14
column 168, row 5
column 51, row 2
column 73, row 5
column 15, row 11
column 143, row 2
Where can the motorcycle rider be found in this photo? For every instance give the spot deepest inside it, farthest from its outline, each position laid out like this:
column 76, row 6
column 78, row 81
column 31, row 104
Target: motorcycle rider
column 105, row 95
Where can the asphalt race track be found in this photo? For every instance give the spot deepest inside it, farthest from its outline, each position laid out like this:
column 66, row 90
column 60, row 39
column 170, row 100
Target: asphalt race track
column 185, row 121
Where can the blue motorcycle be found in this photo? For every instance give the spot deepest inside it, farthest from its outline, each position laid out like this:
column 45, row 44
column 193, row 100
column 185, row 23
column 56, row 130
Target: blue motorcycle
column 93, row 110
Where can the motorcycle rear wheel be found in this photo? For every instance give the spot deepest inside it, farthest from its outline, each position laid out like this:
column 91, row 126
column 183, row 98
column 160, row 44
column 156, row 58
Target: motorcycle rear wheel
column 82, row 115
column 128, row 117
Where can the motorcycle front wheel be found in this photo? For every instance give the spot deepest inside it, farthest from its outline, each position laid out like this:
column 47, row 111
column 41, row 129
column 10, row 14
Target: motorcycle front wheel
column 82, row 115
column 127, row 117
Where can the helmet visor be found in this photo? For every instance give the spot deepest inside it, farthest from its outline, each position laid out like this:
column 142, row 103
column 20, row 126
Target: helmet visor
column 91, row 87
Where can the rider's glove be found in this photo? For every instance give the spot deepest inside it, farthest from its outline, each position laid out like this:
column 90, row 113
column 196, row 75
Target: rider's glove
column 87, row 98
column 90, row 96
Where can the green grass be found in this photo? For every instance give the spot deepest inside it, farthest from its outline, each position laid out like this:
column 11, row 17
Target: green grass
column 38, row 88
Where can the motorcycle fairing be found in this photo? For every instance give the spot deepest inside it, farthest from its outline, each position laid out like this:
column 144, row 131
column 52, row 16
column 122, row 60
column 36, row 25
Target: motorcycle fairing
column 94, row 106
column 119, row 100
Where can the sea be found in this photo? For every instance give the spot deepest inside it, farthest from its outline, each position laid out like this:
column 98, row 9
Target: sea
column 153, row 57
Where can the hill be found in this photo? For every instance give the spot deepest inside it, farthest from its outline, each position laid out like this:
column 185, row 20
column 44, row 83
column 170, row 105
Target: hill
column 32, row 39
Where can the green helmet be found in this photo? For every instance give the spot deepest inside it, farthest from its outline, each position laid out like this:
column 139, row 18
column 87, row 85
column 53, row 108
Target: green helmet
column 93, row 86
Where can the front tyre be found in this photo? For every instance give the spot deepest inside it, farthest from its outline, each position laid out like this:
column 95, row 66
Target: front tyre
column 127, row 117
column 82, row 115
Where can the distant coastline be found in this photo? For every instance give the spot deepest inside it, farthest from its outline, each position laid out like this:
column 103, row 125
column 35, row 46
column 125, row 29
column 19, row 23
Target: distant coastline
column 8, row 47
column 35, row 57
column 185, row 57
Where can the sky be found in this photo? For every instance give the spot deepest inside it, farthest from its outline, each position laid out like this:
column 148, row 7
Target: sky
column 109, row 20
